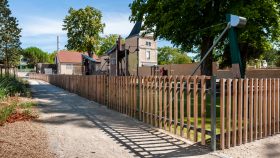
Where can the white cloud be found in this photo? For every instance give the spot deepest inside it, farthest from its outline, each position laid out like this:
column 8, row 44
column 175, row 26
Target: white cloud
column 117, row 23
column 33, row 26
column 45, row 42
column 42, row 31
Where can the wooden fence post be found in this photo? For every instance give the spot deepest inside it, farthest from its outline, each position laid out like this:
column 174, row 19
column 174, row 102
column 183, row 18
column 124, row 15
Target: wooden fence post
column 203, row 108
column 213, row 113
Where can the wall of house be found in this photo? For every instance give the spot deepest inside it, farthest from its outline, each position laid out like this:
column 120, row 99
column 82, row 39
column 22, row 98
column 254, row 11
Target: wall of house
column 113, row 64
column 104, row 65
column 76, row 69
column 143, row 58
column 131, row 45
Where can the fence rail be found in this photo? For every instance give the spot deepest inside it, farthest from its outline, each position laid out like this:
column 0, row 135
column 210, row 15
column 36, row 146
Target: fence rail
column 247, row 109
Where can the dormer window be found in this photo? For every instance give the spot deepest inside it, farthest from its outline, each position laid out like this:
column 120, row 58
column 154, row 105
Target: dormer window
column 149, row 44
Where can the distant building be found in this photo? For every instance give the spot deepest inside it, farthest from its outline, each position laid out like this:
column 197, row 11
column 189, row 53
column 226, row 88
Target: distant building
column 123, row 56
column 76, row 63
column 147, row 48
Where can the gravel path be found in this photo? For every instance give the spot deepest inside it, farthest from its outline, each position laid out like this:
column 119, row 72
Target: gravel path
column 264, row 148
column 77, row 127
column 23, row 139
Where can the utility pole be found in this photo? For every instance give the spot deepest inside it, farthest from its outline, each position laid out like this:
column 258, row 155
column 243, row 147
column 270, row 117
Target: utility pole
column 57, row 43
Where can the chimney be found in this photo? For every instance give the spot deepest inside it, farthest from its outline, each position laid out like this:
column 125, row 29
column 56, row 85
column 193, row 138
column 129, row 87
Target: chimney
column 119, row 43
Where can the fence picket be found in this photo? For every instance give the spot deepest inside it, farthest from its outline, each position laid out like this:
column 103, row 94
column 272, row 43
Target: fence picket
column 135, row 97
column 269, row 107
column 240, row 95
column 255, row 107
column 251, row 104
column 165, row 103
column 195, row 115
column 182, row 116
column 260, row 108
column 140, row 99
column 151, row 99
column 156, row 102
column 160, row 102
column 188, row 93
column 222, row 113
column 175, row 105
column 234, row 111
column 273, row 106
column 228, row 113
column 170, row 103
column 277, row 96
column 203, row 109
column 265, row 108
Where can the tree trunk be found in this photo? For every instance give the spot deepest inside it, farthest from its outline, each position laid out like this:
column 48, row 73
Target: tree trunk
column 88, row 66
column 244, row 55
column 206, row 66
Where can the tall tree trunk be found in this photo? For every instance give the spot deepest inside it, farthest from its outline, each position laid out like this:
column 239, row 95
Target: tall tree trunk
column 244, row 55
column 206, row 66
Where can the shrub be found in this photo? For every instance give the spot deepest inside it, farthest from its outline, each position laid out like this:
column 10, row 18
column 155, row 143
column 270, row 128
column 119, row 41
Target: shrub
column 10, row 86
column 6, row 112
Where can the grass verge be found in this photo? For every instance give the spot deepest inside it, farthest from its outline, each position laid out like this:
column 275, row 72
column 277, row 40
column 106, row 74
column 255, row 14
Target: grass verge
column 17, row 111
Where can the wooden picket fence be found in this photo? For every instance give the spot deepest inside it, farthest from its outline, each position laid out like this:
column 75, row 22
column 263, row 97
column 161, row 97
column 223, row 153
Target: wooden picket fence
column 247, row 109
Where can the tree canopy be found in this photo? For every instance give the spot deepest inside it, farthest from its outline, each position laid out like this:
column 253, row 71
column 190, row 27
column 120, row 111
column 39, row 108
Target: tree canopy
column 196, row 24
column 83, row 27
column 169, row 55
column 35, row 55
column 107, row 43
column 9, row 36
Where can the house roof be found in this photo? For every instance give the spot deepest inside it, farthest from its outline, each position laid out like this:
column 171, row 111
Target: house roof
column 72, row 57
column 112, row 50
column 94, row 59
column 136, row 29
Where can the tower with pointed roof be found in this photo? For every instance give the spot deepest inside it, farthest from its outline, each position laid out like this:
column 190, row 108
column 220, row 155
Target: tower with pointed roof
column 142, row 49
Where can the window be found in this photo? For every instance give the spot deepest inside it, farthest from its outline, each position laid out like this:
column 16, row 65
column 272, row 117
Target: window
column 69, row 66
column 148, row 43
column 148, row 54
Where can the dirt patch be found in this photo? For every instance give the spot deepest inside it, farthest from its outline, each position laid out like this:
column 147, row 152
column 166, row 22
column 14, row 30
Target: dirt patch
column 24, row 139
column 20, row 117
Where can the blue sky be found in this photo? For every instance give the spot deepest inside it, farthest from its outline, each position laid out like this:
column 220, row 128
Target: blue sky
column 41, row 20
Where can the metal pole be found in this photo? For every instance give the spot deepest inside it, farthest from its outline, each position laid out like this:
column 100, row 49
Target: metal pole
column 213, row 113
column 212, row 47
column 137, row 70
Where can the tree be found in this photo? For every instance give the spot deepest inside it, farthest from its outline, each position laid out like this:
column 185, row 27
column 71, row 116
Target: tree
column 35, row 55
column 51, row 57
column 169, row 55
column 195, row 24
column 9, row 37
column 107, row 43
column 271, row 56
column 83, row 27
